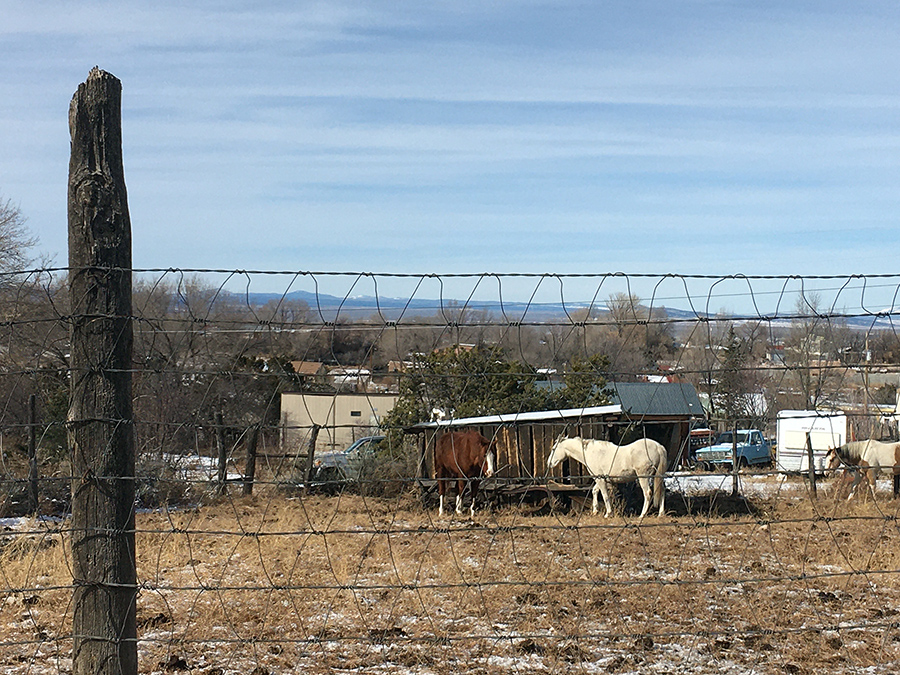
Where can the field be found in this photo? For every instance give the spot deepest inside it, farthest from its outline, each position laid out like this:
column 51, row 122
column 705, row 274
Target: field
column 772, row 583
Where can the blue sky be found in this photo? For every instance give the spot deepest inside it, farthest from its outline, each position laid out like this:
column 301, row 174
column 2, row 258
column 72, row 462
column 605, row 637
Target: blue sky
column 657, row 137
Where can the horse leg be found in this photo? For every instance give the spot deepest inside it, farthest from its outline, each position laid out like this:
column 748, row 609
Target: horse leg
column 474, row 494
column 659, row 490
column 594, row 492
column 871, row 478
column 859, row 475
column 849, row 479
column 896, row 482
column 604, row 490
column 460, row 488
column 442, row 486
column 645, row 488
column 845, row 483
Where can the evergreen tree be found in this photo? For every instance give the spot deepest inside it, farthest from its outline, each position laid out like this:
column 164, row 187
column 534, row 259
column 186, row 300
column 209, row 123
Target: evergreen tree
column 732, row 390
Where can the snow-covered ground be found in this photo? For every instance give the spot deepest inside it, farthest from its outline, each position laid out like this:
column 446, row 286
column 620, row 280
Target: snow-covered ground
column 754, row 485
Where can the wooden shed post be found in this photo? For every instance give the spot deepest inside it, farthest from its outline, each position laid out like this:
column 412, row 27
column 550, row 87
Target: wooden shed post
column 421, row 469
column 100, row 423
column 811, row 466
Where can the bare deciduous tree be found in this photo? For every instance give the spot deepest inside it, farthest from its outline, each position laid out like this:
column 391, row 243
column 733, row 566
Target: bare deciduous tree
column 637, row 337
column 812, row 350
column 15, row 238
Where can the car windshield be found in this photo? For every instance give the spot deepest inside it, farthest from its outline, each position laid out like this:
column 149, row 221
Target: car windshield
column 728, row 437
column 364, row 444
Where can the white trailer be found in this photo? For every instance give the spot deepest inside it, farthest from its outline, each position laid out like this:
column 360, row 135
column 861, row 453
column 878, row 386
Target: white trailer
column 825, row 430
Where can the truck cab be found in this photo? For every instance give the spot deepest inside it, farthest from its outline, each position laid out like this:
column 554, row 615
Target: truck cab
column 752, row 450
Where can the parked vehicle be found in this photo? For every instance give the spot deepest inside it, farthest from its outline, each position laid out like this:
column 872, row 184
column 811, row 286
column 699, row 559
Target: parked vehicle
column 699, row 438
column 822, row 430
column 752, row 449
column 346, row 466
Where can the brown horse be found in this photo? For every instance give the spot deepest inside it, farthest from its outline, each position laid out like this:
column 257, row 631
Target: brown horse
column 464, row 457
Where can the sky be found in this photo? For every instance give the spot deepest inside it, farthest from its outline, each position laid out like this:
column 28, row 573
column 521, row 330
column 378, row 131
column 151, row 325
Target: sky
column 688, row 137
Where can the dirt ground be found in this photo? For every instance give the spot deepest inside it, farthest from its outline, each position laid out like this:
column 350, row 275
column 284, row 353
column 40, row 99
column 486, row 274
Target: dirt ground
column 346, row 583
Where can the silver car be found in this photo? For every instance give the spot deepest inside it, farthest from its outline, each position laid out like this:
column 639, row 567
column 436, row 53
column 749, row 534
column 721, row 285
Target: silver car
column 347, row 465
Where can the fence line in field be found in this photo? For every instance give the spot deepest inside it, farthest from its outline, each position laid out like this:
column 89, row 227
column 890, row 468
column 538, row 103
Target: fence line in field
column 364, row 572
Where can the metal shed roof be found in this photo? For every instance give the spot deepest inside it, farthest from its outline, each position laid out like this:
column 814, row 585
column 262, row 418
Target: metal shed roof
column 656, row 398
column 513, row 418
column 636, row 399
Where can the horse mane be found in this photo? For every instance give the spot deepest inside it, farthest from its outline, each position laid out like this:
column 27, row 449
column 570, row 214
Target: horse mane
column 566, row 439
column 851, row 452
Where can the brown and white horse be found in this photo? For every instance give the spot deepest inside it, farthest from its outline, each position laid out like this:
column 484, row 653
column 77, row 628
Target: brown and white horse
column 464, row 457
column 869, row 458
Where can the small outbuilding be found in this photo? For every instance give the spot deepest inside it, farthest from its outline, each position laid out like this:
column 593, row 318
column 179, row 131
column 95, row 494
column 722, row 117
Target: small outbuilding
column 665, row 412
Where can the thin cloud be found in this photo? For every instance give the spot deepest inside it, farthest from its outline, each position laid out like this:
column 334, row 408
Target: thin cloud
column 697, row 136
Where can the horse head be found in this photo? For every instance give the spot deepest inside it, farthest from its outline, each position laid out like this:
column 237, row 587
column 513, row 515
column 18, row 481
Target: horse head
column 490, row 459
column 832, row 460
column 551, row 458
column 558, row 450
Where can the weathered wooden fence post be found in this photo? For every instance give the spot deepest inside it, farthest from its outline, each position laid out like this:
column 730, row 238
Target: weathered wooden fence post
column 811, row 466
column 735, row 464
column 250, row 466
column 100, row 423
column 222, row 476
column 311, row 453
column 33, row 494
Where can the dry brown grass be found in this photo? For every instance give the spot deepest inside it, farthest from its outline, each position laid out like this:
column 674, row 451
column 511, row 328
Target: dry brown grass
column 325, row 584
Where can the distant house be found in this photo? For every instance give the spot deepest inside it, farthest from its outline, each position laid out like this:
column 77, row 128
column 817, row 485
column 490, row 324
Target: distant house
column 308, row 368
column 347, row 378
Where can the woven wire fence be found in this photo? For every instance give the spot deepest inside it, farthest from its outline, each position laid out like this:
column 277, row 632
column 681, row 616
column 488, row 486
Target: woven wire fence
column 263, row 547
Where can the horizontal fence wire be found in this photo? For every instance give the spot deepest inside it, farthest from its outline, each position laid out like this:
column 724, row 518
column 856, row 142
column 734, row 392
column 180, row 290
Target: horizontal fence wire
column 263, row 546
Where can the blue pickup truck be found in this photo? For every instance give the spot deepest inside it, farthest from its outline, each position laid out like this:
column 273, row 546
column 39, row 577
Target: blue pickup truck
column 752, row 449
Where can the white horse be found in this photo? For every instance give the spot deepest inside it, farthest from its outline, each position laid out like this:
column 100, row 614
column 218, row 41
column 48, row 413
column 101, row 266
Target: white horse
column 869, row 458
column 608, row 462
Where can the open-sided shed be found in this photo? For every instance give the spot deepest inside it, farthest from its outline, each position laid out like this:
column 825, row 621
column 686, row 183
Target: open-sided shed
column 664, row 412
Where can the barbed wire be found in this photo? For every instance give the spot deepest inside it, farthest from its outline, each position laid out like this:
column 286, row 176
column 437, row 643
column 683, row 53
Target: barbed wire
column 280, row 570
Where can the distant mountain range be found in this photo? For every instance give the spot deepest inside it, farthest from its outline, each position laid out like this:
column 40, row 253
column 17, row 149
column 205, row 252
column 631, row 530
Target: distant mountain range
column 364, row 306
column 331, row 307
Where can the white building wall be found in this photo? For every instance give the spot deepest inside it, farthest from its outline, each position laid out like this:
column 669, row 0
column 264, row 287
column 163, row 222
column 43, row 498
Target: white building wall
column 343, row 418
